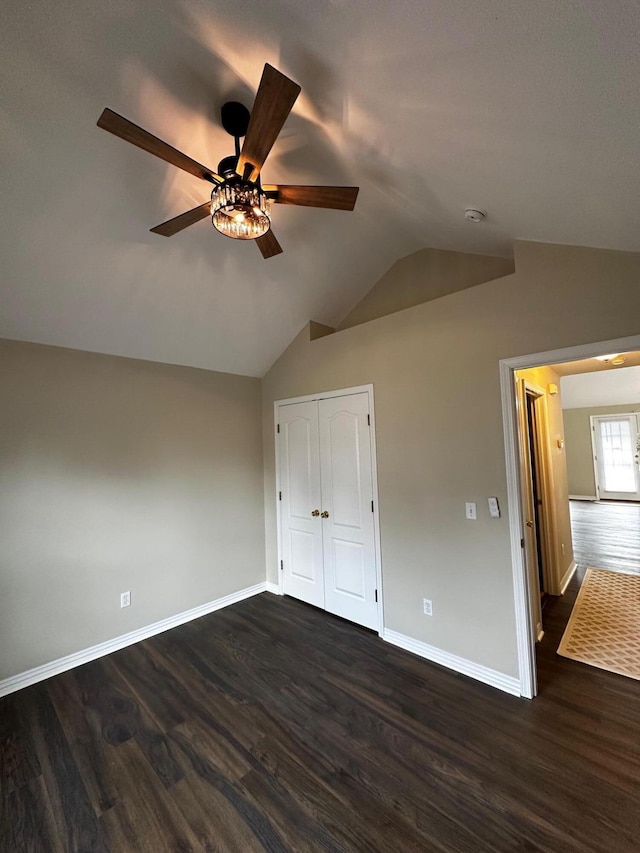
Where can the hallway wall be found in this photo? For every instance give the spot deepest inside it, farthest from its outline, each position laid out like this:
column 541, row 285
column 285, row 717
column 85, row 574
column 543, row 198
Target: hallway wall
column 561, row 547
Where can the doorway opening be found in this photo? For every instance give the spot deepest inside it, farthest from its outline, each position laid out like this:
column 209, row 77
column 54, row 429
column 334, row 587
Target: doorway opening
column 542, row 551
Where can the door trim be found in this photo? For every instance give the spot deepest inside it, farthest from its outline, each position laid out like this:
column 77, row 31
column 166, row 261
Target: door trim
column 522, row 603
column 323, row 395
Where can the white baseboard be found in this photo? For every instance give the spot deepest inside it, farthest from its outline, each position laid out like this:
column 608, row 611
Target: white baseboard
column 46, row 670
column 273, row 588
column 564, row 583
column 583, row 498
column 508, row 683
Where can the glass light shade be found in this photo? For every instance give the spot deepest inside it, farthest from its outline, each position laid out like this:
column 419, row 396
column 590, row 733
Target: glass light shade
column 240, row 210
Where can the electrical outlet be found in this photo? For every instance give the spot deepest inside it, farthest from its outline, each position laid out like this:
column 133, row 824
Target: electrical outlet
column 427, row 606
column 125, row 599
column 471, row 511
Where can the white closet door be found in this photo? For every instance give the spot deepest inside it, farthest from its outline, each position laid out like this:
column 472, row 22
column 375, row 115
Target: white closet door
column 347, row 495
column 302, row 568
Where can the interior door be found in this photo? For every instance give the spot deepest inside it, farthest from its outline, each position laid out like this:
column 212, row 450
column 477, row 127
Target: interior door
column 531, row 553
column 537, row 495
column 615, row 443
column 347, row 509
column 301, row 531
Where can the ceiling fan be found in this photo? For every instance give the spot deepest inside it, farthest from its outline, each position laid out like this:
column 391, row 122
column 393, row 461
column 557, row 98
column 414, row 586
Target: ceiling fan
column 240, row 205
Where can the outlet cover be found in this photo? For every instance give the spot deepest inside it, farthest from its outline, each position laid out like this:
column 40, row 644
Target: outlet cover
column 125, row 599
column 471, row 510
column 427, row 606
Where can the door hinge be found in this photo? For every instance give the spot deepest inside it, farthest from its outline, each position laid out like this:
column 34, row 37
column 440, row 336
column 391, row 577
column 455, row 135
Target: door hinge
column 278, row 427
column 371, row 506
column 522, row 543
column 376, row 596
column 279, row 496
column 368, row 420
column 281, row 565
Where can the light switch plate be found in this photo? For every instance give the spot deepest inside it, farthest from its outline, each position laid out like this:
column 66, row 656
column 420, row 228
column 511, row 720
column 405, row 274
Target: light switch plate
column 470, row 511
column 494, row 507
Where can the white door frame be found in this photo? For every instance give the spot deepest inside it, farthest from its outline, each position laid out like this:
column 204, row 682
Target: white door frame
column 523, row 604
column 323, row 395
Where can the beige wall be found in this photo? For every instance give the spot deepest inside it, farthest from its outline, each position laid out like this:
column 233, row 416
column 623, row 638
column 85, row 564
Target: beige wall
column 439, row 429
column 422, row 276
column 560, row 543
column 579, row 452
column 119, row 475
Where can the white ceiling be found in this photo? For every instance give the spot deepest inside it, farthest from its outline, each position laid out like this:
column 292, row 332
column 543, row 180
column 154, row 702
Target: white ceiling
column 587, row 390
column 594, row 365
column 527, row 108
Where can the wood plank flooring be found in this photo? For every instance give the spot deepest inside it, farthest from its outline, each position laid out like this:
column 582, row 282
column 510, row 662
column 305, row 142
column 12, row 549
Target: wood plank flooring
column 273, row 726
column 606, row 535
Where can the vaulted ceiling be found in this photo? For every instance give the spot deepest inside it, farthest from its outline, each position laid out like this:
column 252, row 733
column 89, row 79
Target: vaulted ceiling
column 527, row 108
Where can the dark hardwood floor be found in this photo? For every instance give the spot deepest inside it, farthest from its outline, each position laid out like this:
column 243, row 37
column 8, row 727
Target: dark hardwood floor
column 606, row 535
column 273, row 726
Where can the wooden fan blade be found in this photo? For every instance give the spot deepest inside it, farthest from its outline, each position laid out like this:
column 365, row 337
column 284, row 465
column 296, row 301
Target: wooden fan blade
column 274, row 100
column 268, row 245
column 125, row 129
column 172, row 226
column 336, row 198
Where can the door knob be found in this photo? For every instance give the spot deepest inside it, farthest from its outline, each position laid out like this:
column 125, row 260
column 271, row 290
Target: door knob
column 325, row 514
column 529, row 523
column 315, row 513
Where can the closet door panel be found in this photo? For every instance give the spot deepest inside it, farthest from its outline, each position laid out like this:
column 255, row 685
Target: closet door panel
column 347, row 495
column 301, row 532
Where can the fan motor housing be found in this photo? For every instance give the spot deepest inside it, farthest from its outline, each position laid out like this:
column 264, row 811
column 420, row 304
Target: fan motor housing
column 235, row 118
column 227, row 166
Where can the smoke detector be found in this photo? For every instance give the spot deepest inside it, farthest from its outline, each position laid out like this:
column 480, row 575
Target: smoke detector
column 472, row 214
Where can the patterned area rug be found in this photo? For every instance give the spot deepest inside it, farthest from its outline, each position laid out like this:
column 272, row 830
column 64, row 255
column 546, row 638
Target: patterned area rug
column 604, row 627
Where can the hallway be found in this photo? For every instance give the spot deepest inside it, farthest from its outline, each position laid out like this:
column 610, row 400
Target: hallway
column 606, row 535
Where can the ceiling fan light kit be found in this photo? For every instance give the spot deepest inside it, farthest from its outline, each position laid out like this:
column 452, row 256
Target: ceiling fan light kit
column 240, row 207
column 240, row 210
